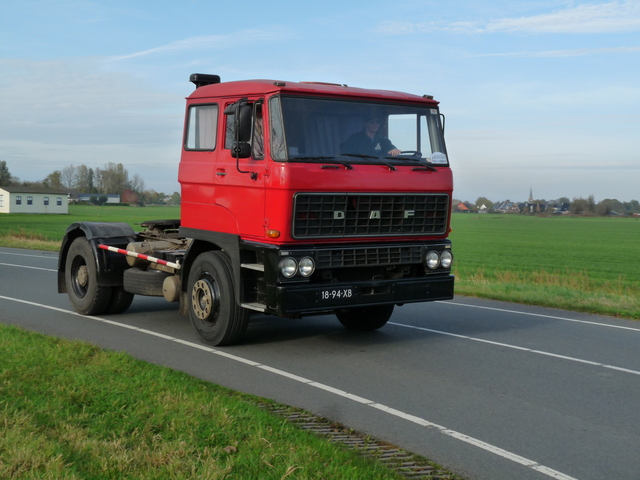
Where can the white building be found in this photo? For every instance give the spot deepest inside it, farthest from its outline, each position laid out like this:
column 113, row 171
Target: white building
column 16, row 199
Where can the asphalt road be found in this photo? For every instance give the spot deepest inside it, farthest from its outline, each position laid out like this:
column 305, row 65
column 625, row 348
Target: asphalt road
column 490, row 390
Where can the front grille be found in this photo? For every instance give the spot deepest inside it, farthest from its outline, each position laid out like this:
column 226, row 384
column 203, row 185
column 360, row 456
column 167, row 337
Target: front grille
column 368, row 256
column 365, row 215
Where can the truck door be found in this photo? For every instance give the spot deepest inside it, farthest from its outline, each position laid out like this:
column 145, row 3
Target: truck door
column 241, row 165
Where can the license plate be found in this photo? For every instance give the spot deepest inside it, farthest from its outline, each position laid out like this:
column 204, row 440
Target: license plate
column 331, row 294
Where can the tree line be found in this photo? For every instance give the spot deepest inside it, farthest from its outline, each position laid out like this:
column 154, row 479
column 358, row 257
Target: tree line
column 113, row 178
column 577, row 206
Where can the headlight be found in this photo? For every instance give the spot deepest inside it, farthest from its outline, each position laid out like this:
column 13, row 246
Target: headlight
column 288, row 267
column 432, row 259
column 446, row 259
column 306, row 266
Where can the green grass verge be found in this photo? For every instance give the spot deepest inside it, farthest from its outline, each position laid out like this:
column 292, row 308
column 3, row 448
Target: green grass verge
column 589, row 264
column 69, row 410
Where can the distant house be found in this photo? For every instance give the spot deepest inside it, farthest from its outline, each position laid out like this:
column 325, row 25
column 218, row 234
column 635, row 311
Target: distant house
column 111, row 197
column 466, row 207
column 16, row 199
column 506, row 207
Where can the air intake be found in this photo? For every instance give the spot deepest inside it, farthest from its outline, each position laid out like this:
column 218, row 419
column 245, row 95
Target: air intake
column 202, row 79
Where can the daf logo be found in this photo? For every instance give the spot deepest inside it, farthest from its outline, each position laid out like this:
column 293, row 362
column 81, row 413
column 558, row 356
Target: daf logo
column 374, row 215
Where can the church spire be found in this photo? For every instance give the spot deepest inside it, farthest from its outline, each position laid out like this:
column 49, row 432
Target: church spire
column 531, row 195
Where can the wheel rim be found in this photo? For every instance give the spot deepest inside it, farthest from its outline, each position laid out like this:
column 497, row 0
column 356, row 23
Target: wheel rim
column 205, row 299
column 79, row 277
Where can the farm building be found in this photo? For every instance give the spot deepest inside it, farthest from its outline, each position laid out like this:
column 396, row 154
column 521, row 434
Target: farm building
column 17, row 199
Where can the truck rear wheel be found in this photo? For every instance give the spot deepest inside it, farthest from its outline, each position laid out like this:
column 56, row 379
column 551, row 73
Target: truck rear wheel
column 87, row 297
column 212, row 304
column 365, row 318
column 120, row 300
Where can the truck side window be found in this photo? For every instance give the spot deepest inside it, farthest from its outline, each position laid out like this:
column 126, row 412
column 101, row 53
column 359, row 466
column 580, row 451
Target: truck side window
column 257, row 136
column 202, row 127
column 228, row 137
column 278, row 144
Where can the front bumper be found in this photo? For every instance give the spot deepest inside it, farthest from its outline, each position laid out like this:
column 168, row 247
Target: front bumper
column 307, row 298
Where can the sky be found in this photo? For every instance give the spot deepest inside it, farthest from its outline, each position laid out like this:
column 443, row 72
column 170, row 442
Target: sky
column 540, row 95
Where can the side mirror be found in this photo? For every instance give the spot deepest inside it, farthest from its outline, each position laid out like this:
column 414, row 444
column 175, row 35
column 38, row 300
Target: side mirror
column 242, row 112
column 243, row 121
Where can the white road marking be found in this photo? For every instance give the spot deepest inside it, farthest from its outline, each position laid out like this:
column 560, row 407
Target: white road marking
column 575, row 320
column 27, row 255
column 515, row 347
column 32, row 268
column 389, row 410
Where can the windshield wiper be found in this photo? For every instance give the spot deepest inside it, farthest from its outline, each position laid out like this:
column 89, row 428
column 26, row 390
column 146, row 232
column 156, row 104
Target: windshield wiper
column 324, row 160
column 362, row 155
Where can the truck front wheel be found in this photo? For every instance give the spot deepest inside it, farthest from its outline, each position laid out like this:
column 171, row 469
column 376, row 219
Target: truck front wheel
column 365, row 318
column 212, row 304
column 87, row 297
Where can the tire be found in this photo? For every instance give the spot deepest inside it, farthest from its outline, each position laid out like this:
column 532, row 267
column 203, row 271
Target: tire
column 81, row 278
column 213, row 311
column 144, row 282
column 120, row 300
column 365, row 318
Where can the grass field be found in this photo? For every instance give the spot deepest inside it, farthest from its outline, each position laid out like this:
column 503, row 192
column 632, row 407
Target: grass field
column 69, row 410
column 589, row 264
column 24, row 230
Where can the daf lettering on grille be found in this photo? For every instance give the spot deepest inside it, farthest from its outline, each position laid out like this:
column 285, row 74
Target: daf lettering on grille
column 373, row 215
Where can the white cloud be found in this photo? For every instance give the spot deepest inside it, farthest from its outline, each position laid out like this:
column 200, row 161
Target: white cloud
column 576, row 52
column 586, row 18
column 241, row 38
column 404, row 28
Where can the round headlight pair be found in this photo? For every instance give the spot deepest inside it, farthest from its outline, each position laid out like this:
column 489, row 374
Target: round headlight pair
column 434, row 259
column 290, row 266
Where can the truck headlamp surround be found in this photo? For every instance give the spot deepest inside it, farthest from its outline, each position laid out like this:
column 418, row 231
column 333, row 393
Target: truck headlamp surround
column 446, row 259
column 306, row 266
column 288, row 267
column 432, row 259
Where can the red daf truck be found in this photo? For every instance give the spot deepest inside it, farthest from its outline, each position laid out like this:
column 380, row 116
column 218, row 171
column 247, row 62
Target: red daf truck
column 298, row 199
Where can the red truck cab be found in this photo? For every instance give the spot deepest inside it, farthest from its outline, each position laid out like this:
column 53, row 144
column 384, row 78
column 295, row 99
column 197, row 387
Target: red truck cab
column 311, row 220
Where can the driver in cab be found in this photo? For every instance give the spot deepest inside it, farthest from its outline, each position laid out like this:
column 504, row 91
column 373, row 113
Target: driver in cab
column 369, row 141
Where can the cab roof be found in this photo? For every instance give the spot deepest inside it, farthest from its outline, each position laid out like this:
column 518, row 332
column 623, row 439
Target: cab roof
column 268, row 87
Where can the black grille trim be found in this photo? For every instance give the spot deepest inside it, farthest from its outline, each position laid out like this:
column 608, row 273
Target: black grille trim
column 344, row 215
column 368, row 256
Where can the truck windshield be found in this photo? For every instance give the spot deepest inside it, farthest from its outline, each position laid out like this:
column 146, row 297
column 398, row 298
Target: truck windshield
column 306, row 129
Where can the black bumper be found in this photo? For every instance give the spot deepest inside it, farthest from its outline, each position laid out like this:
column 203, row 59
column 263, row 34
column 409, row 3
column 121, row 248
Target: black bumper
column 312, row 298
